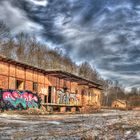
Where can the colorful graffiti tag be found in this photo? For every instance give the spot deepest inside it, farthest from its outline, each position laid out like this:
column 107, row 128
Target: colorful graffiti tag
column 12, row 99
column 65, row 97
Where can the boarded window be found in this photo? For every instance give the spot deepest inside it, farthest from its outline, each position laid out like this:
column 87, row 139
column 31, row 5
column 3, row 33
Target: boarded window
column 35, row 86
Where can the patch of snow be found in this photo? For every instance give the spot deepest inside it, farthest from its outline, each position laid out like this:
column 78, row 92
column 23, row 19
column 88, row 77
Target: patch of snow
column 54, row 122
column 138, row 135
column 128, row 132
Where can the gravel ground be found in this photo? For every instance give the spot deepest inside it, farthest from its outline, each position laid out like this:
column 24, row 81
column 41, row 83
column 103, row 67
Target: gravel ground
column 108, row 125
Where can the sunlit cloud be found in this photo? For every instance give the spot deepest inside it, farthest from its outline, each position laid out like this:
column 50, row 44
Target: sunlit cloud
column 39, row 2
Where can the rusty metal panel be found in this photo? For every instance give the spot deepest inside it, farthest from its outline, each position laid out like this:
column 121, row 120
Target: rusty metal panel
column 12, row 83
column 3, row 68
column 12, row 70
column 20, row 72
column 40, row 78
column 35, row 76
column 29, row 85
column 29, row 75
column 47, row 82
column 3, row 82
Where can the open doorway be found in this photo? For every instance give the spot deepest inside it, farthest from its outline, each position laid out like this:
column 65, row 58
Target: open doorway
column 82, row 96
column 45, row 99
column 49, row 94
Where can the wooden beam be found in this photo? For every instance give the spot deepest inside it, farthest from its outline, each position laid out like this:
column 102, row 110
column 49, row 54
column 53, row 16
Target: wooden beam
column 80, row 84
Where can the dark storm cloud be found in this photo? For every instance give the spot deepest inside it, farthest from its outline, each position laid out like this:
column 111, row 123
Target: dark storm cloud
column 104, row 32
column 16, row 18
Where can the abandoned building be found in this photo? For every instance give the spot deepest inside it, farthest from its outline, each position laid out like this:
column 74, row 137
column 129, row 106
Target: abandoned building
column 58, row 90
column 119, row 104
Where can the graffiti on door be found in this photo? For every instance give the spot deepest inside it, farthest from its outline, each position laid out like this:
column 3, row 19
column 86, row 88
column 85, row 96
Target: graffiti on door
column 12, row 99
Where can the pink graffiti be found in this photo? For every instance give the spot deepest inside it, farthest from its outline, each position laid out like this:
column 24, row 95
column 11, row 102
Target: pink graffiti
column 35, row 98
column 16, row 95
column 25, row 96
column 8, row 95
column 30, row 97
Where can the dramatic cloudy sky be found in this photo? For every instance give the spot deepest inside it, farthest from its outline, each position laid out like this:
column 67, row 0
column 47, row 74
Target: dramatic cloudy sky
column 104, row 32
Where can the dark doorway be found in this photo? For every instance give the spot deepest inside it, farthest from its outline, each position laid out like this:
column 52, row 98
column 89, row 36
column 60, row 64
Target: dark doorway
column 49, row 94
column 68, row 109
column 45, row 99
column 77, row 109
column 56, row 109
column 82, row 96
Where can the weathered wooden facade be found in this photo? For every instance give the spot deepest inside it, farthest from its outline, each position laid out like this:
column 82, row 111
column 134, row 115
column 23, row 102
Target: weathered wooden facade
column 57, row 89
column 119, row 104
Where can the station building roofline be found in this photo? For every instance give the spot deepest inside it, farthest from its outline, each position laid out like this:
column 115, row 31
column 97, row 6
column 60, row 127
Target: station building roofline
column 56, row 73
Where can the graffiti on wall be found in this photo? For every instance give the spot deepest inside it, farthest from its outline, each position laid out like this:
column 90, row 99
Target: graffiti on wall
column 66, row 97
column 12, row 99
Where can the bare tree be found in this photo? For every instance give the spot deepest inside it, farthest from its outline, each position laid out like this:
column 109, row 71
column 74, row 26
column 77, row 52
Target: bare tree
column 22, row 41
column 4, row 30
column 86, row 71
column 8, row 48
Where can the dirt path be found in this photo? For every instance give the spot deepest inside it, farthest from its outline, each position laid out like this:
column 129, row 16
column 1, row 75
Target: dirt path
column 109, row 125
